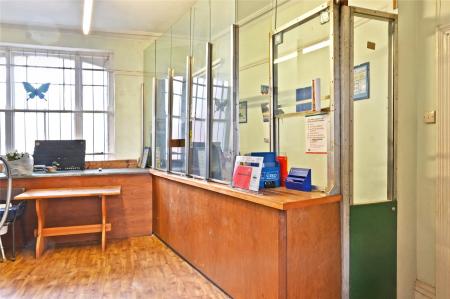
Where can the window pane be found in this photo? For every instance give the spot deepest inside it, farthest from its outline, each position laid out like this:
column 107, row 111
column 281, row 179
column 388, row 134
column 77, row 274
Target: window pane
column 100, row 129
column 99, row 98
column 88, row 132
column 95, row 132
column 2, row 86
column 61, row 92
column 88, row 98
column 28, row 126
column 51, row 113
column 2, row 134
column 60, row 126
column 95, row 84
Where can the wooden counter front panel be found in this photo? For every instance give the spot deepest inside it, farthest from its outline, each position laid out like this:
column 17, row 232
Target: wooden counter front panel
column 314, row 252
column 130, row 213
column 233, row 242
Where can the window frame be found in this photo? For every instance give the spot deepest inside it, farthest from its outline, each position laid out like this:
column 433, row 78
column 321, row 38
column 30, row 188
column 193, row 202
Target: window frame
column 79, row 56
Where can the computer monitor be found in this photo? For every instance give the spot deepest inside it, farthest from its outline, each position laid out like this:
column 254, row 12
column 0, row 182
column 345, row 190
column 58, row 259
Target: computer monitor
column 69, row 154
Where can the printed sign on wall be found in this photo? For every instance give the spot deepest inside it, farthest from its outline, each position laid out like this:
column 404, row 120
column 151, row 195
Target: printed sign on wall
column 316, row 127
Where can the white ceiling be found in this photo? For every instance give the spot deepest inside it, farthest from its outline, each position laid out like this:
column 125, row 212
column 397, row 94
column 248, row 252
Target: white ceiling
column 123, row 16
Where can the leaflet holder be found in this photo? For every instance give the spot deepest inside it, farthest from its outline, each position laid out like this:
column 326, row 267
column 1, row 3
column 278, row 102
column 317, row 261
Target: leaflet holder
column 299, row 179
column 270, row 174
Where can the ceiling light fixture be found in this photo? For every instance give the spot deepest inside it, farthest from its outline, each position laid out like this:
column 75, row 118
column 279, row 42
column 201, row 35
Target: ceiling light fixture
column 315, row 47
column 87, row 15
column 287, row 57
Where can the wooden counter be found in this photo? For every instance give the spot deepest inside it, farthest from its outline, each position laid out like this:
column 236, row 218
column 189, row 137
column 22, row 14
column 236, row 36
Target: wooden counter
column 130, row 213
column 279, row 244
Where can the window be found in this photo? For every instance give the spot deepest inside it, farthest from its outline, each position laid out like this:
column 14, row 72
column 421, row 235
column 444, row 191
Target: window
column 77, row 105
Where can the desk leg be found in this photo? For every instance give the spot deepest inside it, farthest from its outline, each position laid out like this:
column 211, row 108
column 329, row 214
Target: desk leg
column 103, row 222
column 40, row 240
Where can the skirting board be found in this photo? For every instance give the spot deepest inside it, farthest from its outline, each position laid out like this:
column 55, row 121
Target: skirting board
column 424, row 290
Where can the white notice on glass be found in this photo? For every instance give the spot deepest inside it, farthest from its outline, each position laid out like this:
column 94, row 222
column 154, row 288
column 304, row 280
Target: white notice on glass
column 316, row 134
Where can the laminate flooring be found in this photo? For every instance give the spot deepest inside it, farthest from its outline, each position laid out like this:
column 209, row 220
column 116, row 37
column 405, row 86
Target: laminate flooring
column 140, row 267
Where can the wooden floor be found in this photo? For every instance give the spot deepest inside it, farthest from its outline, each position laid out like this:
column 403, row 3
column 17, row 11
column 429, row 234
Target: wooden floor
column 136, row 268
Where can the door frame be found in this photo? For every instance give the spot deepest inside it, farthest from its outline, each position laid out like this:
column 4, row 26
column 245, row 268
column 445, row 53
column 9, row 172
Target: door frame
column 442, row 289
column 346, row 57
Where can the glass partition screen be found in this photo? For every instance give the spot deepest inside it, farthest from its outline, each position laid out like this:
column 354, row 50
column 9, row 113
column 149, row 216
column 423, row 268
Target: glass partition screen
column 372, row 107
column 302, row 88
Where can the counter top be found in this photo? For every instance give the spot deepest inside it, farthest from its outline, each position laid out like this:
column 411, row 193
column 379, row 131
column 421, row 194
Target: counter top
column 87, row 172
column 278, row 198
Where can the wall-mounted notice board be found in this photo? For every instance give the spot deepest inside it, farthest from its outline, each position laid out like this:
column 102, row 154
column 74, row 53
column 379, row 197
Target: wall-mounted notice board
column 361, row 81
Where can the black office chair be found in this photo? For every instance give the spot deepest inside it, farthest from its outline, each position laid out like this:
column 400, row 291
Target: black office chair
column 9, row 212
column 16, row 210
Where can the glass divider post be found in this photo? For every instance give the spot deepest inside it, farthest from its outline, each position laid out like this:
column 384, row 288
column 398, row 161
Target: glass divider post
column 169, row 121
column 187, row 137
column 154, row 122
column 209, row 106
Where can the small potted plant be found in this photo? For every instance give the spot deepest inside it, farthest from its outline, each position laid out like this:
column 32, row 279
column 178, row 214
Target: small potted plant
column 20, row 163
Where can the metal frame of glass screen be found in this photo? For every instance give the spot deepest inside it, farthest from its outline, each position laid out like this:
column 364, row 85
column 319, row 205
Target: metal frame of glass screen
column 234, row 91
column 392, row 93
column 346, row 44
column 333, row 157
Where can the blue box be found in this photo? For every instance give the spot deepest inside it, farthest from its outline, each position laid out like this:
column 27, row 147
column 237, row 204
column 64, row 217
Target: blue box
column 299, row 179
column 270, row 174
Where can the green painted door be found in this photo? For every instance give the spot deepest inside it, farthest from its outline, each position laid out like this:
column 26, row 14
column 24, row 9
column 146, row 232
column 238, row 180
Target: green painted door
column 373, row 209
column 373, row 235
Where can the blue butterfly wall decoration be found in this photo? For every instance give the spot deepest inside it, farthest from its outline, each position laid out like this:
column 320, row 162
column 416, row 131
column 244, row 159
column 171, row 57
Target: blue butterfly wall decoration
column 36, row 92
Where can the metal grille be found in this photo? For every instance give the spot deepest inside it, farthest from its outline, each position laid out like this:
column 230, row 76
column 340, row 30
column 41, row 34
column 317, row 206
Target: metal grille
column 78, row 104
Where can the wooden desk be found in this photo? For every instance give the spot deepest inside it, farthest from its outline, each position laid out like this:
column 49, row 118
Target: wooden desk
column 130, row 213
column 41, row 197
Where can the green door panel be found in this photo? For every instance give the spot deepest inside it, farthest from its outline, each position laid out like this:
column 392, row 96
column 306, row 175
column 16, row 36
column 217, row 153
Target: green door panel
column 373, row 250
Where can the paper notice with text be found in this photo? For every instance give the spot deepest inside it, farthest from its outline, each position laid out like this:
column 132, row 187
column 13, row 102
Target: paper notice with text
column 316, row 134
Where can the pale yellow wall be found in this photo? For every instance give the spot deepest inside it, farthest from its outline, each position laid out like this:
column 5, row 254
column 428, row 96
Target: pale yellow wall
column 430, row 14
column 407, row 152
column 370, row 116
column 128, row 65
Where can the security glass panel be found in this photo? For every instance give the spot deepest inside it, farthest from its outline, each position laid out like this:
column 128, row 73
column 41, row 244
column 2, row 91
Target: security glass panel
column 302, row 74
column 180, row 50
column 221, row 147
column 371, row 109
column 200, row 37
column 254, row 82
column 162, row 98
